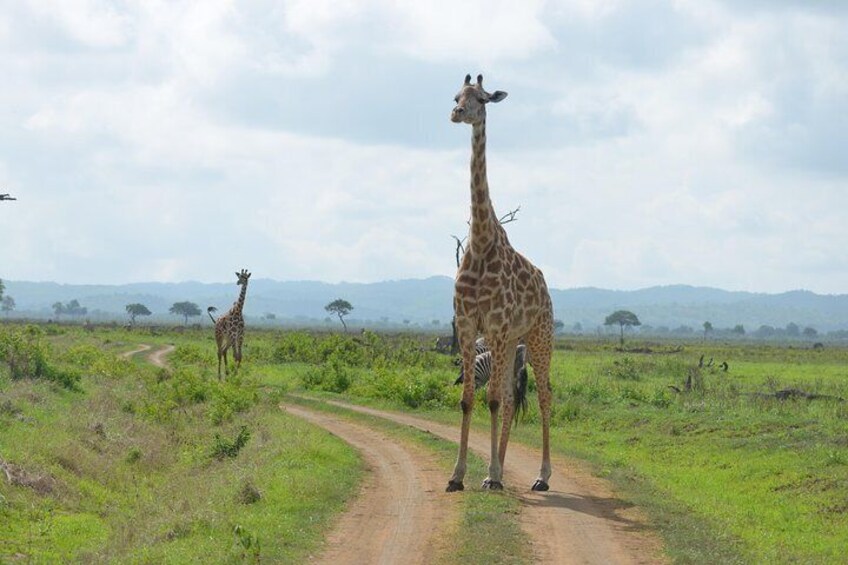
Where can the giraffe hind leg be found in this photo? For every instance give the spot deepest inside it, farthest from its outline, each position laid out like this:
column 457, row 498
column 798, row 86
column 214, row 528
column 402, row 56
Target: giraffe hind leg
column 495, row 396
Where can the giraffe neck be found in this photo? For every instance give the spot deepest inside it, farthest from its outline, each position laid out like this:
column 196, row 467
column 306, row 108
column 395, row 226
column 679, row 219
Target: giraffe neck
column 240, row 302
column 483, row 221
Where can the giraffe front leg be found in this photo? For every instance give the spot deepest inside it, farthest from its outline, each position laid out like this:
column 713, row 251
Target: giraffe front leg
column 466, row 342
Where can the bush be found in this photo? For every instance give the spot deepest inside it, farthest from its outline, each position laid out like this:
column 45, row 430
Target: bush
column 26, row 355
column 295, row 347
column 332, row 376
column 191, row 354
column 624, row 369
column 224, row 448
column 231, row 397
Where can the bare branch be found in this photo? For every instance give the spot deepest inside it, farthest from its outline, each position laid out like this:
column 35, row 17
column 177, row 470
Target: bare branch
column 460, row 248
column 6, row 197
column 509, row 216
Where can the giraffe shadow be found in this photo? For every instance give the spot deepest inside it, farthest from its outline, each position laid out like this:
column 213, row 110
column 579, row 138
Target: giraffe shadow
column 606, row 508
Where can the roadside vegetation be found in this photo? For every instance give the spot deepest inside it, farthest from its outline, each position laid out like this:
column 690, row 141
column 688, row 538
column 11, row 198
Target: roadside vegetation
column 727, row 467
column 732, row 465
column 108, row 460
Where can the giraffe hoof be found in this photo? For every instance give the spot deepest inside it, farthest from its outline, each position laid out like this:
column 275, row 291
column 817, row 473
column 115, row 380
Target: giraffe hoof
column 540, row 486
column 489, row 484
column 454, row 486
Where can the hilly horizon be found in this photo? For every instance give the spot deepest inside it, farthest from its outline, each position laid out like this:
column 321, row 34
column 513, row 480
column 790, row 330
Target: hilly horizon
column 424, row 301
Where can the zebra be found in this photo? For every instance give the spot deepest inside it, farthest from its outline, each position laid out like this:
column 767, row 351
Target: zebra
column 483, row 370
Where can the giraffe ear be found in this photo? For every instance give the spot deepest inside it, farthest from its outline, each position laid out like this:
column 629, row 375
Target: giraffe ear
column 497, row 96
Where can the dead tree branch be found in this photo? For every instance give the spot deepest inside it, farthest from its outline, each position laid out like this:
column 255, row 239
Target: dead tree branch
column 509, row 216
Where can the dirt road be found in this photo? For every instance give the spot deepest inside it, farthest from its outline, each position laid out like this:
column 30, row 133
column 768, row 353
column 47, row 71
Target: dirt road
column 401, row 512
column 578, row 521
column 139, row 349
column 156, row 357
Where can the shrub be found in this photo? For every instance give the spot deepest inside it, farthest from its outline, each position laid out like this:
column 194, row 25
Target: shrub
column 331, row 376
column 295, row 346
column 26, row 355
column 191, row 354
column 133, row 455
column 624, row 368
column 231, row 397
column 248, row 494
column 223, row 447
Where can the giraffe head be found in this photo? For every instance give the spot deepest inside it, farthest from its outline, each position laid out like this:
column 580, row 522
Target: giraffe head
column 242, row 277
column 471, row 101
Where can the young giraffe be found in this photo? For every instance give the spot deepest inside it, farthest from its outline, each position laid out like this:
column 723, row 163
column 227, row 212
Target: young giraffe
column 498, row 293
column 229, row 328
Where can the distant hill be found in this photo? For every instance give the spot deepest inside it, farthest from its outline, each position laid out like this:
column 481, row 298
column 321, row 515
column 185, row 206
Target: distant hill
column 421, row 301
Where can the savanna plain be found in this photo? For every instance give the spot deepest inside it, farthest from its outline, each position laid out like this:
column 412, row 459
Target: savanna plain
column 107, row 457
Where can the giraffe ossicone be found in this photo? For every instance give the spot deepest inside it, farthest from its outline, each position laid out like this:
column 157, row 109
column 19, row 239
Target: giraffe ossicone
column 502, row 296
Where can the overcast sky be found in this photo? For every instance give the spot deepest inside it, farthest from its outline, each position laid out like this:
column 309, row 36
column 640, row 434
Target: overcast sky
column 647, row 143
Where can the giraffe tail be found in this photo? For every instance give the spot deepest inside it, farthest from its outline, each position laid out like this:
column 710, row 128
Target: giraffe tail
column 209, row 311
column 520, row 395
column 520, row 383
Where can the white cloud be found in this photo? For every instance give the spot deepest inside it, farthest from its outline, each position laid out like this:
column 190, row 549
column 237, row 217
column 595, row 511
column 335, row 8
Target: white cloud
column 704, row 155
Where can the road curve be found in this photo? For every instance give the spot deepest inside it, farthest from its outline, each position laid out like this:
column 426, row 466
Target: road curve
column 578, row 521
column 401, row 512
column 158, row 356
column 139, row 349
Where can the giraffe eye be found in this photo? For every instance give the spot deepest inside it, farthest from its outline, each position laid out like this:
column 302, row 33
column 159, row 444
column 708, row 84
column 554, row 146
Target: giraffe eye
column 456, row 99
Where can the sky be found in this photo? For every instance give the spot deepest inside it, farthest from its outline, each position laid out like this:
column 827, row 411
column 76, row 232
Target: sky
column 647, row 143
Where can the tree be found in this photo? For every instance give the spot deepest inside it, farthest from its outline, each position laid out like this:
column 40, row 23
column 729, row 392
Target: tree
column 792, row 330
column 7, row 304
column 73, row 308
column 58, row 309
column 137, row 310
column 765, row 331
column 340, row 308
column 185, row 309
column 739, row 329
column 2, row 289
column 708, row 328
column 810, row 332
column 559, row 325
column 622, row 318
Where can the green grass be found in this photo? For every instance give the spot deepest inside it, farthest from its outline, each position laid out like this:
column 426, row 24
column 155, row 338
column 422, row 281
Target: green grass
column 130, row 455
column 727, row 476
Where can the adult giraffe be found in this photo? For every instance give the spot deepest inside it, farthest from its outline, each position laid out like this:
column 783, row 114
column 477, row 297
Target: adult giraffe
column 229, row 328
column 498, row 293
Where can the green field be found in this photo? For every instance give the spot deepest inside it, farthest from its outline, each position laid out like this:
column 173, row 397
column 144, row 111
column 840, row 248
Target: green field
column 139, row 464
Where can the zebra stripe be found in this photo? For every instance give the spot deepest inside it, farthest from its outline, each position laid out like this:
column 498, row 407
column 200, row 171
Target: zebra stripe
column 483, row 364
